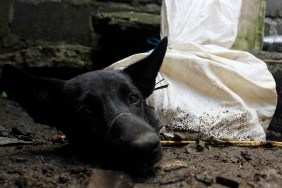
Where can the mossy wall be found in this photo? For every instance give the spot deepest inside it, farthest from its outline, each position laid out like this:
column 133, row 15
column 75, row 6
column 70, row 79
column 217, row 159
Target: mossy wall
column 251, row 25
column 113, row 28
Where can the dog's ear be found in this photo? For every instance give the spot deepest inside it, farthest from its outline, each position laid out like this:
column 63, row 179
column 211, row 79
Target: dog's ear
column 144, row 72
column 39, row 96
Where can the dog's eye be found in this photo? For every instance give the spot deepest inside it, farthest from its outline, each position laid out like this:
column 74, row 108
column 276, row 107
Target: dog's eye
column 133, row 99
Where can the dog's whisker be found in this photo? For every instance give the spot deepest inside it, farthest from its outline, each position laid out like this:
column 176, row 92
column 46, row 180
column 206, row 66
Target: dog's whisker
column 161, row 87
column 159, row 81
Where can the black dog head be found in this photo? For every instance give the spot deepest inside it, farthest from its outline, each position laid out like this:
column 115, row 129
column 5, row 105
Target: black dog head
column 102, row 109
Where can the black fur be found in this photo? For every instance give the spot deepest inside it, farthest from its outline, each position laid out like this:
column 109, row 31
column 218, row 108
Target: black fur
column 102, row 109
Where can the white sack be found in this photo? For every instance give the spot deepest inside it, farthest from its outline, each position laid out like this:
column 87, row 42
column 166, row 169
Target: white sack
column 214, row 92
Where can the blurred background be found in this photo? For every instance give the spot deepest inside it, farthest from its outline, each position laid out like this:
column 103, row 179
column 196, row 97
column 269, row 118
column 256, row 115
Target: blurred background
column 91, row 34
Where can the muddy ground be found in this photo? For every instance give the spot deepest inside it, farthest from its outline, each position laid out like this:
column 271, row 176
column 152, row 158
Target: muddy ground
column 49, row 162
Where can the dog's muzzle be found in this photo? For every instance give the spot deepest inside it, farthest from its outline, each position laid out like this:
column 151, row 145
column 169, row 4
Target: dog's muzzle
column 111, row 123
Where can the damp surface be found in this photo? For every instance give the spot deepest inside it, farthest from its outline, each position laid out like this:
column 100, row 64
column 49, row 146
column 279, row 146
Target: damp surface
column 51, row 164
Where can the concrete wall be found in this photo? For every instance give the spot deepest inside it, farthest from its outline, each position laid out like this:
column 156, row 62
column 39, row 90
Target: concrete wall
column 273, row 17
column 22, row 22
column 26, row 23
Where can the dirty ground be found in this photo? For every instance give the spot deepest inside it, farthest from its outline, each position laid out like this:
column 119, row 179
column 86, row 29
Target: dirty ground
column 50, row 163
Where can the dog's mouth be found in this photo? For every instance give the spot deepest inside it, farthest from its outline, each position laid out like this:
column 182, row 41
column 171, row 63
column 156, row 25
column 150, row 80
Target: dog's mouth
column 134, row 161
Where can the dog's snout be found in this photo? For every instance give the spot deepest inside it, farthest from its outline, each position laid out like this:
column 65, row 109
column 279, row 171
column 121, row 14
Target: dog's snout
column 147, row 143
column 146, row 148
column 134, row 141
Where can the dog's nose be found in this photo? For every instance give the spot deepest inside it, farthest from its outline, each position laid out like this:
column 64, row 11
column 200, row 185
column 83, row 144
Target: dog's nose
column 146, row 149
column 146, row 144
column 134, row 141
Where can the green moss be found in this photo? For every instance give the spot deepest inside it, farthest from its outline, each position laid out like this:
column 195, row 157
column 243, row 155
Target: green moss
column 266, row 55
column 71, row 55
column 129, row 18
column 250, row 36
column 260, row 26
column 3, row 95
column 46, row 56
column 251, row 40
column 72, row 2
column 75, row 52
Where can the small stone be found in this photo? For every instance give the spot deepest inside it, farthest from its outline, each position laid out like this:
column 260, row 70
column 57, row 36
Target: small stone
column 19, row 159
column 200, row 146
column 21, row 129
column 227, row 181
column 246, row 156
column 174, row 165
column 107, row 178
column 191, row 149
column 48, row 169
column 63, row 179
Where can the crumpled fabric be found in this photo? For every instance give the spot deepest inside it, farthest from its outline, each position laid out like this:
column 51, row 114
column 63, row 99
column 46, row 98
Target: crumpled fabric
column 214, row 93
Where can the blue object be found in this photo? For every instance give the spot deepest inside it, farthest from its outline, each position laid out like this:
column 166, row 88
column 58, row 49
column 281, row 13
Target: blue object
column 153, row 41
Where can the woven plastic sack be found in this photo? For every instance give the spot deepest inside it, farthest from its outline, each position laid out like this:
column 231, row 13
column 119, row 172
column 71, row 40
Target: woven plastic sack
column 213, row 93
